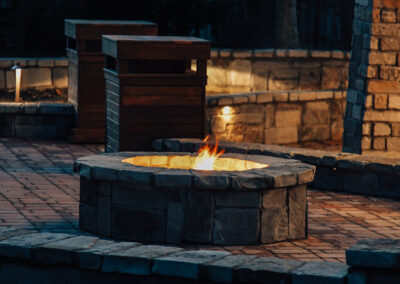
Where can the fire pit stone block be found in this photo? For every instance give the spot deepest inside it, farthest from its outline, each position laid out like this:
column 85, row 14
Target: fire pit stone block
column 152, row 204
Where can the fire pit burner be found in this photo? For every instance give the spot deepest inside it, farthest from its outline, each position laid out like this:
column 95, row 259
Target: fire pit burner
column 251, row 199
column 190, row 162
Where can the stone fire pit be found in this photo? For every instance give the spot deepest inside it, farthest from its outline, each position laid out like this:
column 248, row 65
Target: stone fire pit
column 155, row 204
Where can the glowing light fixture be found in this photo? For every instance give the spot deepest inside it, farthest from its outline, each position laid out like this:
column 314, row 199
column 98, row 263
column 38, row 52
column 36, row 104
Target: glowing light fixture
column 226, row 110
column 17, row 68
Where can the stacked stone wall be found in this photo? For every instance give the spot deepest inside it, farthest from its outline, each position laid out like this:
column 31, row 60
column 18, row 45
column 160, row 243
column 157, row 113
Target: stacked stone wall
column 39, row 73
column 373, row 110
column 36, row 120
column 277, row 117
column 231, row 71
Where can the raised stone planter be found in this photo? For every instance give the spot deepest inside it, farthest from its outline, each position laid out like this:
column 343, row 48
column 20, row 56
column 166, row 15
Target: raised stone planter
column 36, row 120
column 153, row 204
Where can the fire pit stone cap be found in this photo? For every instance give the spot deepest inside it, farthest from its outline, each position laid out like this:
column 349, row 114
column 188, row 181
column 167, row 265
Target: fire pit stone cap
column 280, row 172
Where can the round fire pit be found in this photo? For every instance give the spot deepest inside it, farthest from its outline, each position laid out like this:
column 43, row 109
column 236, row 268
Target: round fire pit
column 156, row 197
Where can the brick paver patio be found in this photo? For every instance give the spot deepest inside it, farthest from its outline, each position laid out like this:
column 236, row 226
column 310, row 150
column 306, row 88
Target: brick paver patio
column 39, row 191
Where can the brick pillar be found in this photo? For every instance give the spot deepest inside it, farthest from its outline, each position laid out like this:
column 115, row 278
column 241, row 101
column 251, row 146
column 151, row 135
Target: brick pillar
column 372, row 119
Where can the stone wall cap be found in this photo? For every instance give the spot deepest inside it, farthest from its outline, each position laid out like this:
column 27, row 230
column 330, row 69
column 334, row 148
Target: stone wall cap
column 110, row 167
column 280, row 53
column 33, row 108
column 23, row 245
column 11, row 108
column 136, row 260
column 140, row 259
column 320, row 272
column 273, row 269
column 270, row 96
column 222, row 270
column 61, row 251
column 377, row 253
column 345, row 161
column 185, row 264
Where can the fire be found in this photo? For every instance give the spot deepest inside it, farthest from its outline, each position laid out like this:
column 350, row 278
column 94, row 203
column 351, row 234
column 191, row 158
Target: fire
column 207, row 155
column 207, row 159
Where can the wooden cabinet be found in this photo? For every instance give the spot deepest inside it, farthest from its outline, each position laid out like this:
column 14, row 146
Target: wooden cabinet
column 86, row 85
column 152, row 91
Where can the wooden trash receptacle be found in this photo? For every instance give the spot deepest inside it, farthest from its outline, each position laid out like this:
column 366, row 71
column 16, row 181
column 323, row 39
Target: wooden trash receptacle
column 86, row 86
column 151, row 90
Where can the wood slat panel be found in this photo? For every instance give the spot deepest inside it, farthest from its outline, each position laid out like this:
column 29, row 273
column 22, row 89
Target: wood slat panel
column 95, row 124
column 159, row 129
column 138, row 142
column 162, row 91
column 160, row 80
column 86, row 74
column 161, row 100
column 88, row 136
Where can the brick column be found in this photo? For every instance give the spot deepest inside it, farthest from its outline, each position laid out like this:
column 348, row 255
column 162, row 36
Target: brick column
column 372, row 121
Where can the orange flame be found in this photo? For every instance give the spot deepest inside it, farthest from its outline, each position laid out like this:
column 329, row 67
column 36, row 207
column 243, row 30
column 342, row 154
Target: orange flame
column 207, row 155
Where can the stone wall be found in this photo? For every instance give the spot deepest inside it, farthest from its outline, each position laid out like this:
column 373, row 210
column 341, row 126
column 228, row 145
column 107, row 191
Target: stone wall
column 36, row 120
column 374, row 261
column 340, row 172
column 49, row 257
column 275, row 70
column 277, row 117
column 373, row 111
column 40, row 73
column 228, row 71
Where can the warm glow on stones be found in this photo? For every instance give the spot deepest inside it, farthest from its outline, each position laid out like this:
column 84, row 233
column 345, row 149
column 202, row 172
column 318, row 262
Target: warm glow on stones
column 227, row 110
column 208, row 159
column 227, row 114
column 188, row 163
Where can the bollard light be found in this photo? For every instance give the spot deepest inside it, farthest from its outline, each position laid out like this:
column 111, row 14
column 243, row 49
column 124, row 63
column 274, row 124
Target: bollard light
column 17, row 68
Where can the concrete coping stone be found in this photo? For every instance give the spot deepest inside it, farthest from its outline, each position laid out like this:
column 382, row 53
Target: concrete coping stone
column 8, row 62
column 112, row 256
column 22, row 246
column 136, row 260
column 355, row 162
column 279, row 53
column 320, row 272
column 279, row 173
column 277, row 96
column 185, row 264
column 36, row 108
column 375, row 253
column 261, row 268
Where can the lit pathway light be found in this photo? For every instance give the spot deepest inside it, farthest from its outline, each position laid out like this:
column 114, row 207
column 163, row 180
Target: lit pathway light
column 17, row 68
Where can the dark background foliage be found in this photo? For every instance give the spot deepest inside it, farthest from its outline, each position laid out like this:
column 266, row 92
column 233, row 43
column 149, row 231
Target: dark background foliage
column 36, row 27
